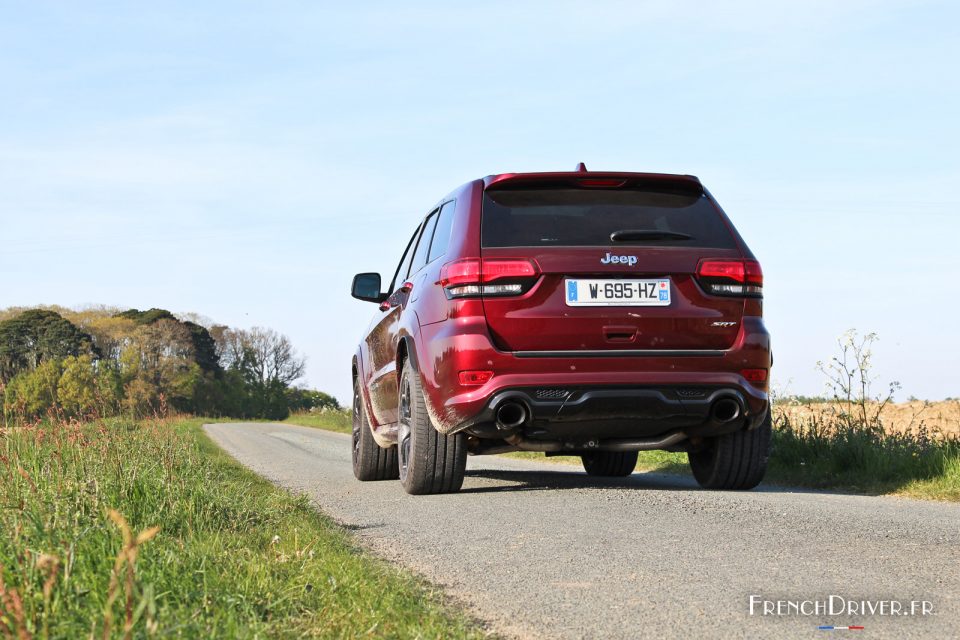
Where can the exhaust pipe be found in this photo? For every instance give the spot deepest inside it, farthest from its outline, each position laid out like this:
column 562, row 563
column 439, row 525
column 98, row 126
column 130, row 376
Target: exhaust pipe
column 725, row 410
column 621, row 444
column 510, row 415
column 524, row 444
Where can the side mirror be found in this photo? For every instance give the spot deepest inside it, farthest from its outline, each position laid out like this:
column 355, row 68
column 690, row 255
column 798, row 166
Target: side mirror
column 366, row 286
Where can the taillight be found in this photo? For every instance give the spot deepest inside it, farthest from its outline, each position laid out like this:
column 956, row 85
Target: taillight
column 731, row 277
column 472, row 277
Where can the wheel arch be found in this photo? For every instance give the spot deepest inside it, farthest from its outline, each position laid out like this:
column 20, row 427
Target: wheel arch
column 406, row 350
column 356, row 374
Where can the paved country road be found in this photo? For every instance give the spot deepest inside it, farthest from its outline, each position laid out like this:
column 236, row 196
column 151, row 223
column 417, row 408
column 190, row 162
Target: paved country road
column 544, row 551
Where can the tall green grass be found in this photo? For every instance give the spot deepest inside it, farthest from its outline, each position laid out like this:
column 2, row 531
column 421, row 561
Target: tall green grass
column 148, row 529
column 836, row 449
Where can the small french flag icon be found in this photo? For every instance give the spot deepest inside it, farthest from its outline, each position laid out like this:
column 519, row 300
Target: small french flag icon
column 830, row 627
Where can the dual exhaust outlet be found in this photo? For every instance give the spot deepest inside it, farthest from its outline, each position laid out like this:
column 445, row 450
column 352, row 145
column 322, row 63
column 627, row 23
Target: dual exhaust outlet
column 513, row 414
column 725, row 410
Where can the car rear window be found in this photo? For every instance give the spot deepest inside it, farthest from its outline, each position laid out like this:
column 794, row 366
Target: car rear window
column 587, row 217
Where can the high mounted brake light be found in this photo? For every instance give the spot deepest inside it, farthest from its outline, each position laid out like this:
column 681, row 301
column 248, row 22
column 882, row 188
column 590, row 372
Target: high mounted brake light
column 731, row 277
column 473, row 277
column 601, row 182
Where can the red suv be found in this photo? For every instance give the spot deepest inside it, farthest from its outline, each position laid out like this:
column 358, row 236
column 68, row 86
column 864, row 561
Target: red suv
column 576, row 313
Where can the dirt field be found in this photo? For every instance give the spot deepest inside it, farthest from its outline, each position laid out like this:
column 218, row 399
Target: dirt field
column 938, row 418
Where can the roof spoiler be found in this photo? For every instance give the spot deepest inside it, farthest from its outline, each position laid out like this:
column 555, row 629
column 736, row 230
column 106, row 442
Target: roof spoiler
column 583, row 179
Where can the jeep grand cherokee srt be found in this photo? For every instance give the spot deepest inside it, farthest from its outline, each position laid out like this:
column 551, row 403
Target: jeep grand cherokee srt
column 576, row 313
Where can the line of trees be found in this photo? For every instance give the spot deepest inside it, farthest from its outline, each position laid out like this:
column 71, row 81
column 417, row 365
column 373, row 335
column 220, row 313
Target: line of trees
column 102, row 362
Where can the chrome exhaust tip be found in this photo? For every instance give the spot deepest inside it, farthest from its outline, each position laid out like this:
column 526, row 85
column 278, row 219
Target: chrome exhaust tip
column 510, row 415
column 725, row 410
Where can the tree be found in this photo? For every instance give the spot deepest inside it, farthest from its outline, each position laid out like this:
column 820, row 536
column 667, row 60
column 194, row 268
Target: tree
column 77, row 387
column 159, row 360
column 33, row 393
column 141, row 397
column 146, row 317
column 300, row 399
column 110, row 334
column 266, row 363
column 109, row 387
column 37, row 335
column 262, row 354
column 204, row 346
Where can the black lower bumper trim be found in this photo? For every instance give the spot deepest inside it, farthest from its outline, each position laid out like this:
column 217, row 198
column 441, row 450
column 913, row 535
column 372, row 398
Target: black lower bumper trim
column 572, row 413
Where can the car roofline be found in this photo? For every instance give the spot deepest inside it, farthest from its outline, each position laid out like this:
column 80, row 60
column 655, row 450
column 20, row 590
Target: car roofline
column 516, row 179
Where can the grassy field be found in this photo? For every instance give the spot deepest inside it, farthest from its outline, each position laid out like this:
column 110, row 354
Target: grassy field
column 910, row 449
column 148, row 529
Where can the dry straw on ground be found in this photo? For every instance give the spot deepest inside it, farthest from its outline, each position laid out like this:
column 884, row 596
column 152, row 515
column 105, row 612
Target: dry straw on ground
column 935, row 419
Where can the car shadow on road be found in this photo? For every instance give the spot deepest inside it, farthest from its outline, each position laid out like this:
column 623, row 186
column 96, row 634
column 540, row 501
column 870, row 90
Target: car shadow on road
column 547, row 480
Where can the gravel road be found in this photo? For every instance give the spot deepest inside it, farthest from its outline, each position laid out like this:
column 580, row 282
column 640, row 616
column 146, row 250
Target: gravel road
column 544, row 551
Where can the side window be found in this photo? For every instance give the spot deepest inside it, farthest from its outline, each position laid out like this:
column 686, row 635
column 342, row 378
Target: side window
column 420, row 256
column 441, row 236
column 404, row 265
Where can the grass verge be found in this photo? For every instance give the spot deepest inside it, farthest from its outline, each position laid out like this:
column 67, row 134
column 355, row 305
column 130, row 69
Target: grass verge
column 149, row 529
column 833, row 450
column 339, row 421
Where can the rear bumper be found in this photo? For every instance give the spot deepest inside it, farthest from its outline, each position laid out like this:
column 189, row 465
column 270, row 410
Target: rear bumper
column 625, row 395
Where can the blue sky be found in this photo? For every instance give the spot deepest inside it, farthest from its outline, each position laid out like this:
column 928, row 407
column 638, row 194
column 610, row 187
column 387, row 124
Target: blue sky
column 243, row 160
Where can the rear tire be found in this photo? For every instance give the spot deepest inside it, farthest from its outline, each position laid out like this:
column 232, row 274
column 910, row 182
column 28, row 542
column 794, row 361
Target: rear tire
column 430, row 462
column 735, row 461
column 370, row 460
column 609, row 464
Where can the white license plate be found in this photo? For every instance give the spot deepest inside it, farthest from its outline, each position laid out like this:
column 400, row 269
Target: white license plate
column 618, row 293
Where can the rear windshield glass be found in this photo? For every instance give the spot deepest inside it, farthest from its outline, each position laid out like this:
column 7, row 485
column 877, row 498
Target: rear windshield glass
column 588, row 217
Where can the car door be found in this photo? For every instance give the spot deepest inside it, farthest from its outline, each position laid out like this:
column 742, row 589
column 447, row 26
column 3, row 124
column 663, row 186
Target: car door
column 383, row 339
